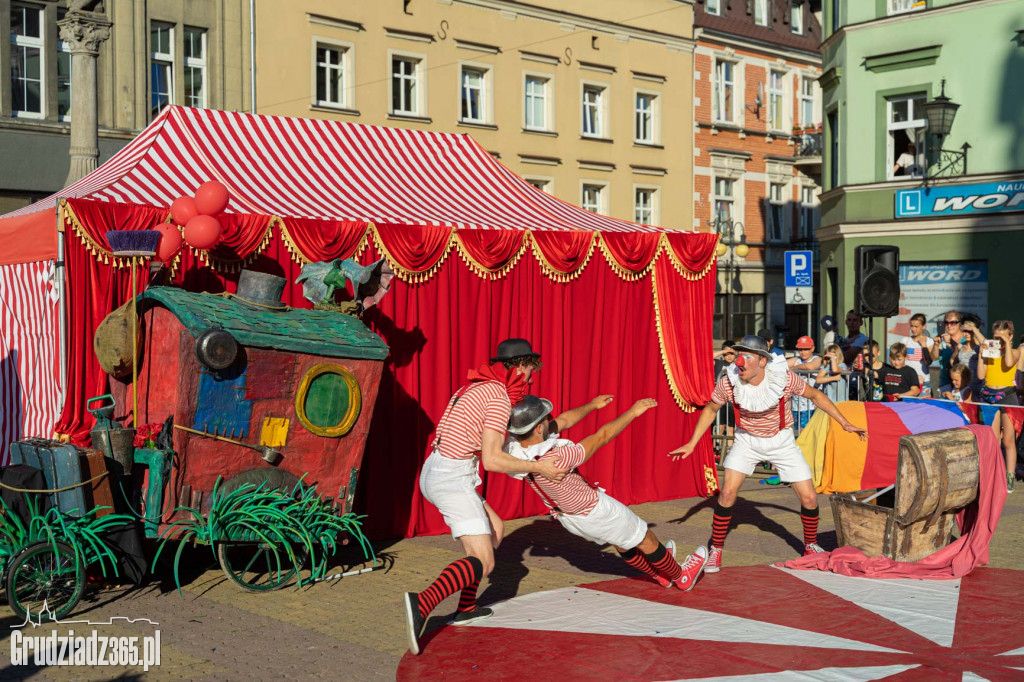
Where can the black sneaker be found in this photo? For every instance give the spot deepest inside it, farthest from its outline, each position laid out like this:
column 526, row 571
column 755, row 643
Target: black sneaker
column 415, row 623
column 466, row 617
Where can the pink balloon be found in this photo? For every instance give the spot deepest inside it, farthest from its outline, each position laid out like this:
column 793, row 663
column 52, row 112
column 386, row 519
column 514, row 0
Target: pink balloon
column 170, row 242
column 203, row 232
column 211, row 198
column 183, row 210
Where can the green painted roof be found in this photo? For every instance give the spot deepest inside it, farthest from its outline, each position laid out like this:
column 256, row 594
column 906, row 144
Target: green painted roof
column 316, row 332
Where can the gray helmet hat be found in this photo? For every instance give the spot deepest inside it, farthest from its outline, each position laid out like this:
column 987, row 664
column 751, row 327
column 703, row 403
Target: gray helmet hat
column 753, row 344
column 514, row 349
column 527, row 413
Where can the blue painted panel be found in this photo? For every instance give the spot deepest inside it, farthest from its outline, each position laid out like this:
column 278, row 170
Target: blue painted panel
column 221, row 406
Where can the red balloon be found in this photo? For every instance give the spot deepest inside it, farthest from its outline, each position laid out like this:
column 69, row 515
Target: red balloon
column 211, row 198
column 183, row 210
column 170, row 242
column 203, row 232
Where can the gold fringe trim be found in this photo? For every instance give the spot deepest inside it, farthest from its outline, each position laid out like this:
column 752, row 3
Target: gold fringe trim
column 301, row 259
column 622, row 272
column 95, row 248
column 482, row 270
column 683, row 405
column 231, row 265
column 404, row 274
column 550, row 270
column 677, row 264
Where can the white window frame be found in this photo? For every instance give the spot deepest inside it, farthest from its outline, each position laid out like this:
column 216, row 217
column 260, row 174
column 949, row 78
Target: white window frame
column 165, row 59
column 197, row 63
column 346, row 92
column 602, row 109
column 30, row 42
column 718, row 91
column 548, row 80
column 905, row 6
column 778, row 212
column 807, row 101
column 919, row 125
column 713, row 7
column 419, row 81
column 796, row 17
column 654, row 192
column 654, row 136
column 732, row 199
column 777, row 100
column 486, row 92
column 808, row 211
column 64, row 47
column 761, row 6
column 545, row 183
column 602, row 195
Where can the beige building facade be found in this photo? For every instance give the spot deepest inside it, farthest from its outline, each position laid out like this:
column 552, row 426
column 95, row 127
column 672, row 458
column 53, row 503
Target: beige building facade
column 590, row 100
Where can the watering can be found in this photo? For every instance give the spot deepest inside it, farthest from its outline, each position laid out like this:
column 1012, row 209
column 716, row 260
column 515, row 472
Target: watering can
column 114, row 441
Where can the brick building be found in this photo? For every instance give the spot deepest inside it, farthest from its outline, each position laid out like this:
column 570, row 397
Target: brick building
column 757, row 152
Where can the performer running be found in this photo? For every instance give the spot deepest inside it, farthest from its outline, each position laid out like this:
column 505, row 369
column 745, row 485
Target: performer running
column 760, row 388
column 584, row 509
column 471, row 430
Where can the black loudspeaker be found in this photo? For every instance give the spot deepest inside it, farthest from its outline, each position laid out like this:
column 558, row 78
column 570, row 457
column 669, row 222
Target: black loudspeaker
column 877, row 281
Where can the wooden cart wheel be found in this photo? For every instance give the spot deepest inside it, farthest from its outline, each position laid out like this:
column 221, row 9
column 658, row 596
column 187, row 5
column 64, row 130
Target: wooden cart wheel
column 255, row 567
column 45, row 580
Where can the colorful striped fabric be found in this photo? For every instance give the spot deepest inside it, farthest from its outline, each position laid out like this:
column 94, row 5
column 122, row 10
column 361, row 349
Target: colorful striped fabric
column 29, row 374
column 842, row 462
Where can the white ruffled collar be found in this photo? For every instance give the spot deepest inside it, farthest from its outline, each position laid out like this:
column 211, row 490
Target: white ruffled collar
column 766, row 394
column 535, row 451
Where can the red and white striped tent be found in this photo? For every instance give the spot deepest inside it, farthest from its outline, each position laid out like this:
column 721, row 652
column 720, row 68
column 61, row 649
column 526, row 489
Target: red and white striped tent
column 304, row 190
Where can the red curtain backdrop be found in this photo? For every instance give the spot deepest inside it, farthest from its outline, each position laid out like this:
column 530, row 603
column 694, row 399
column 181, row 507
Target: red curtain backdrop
column 597, row 334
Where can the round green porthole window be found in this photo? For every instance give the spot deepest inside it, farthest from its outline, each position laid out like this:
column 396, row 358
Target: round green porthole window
column 328, row 400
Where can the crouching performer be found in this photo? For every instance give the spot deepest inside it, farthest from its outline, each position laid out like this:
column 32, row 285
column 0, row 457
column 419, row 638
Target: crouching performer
column 760, row 388
column 584, row 509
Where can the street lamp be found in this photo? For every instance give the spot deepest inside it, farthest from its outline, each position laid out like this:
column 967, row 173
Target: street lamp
column 940, row 113
column 735, row 246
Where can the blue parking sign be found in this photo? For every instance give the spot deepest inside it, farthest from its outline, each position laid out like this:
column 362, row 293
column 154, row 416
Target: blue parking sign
column 799, row 268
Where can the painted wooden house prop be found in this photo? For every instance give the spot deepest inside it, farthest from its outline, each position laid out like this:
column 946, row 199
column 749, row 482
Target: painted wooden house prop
column 301, row 383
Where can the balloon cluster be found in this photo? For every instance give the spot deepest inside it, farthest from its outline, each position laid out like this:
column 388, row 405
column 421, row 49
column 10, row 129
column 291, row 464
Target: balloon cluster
column 198, row 217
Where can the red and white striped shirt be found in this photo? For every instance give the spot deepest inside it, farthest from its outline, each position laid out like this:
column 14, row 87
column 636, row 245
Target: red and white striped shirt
column 766, row 423
column 460, row 432
column 573, row 495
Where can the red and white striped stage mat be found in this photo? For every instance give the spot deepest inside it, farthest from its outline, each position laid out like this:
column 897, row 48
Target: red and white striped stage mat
column 744, row 623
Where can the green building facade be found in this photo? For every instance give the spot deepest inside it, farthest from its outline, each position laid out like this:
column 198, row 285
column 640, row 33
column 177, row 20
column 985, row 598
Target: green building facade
column 957, row 221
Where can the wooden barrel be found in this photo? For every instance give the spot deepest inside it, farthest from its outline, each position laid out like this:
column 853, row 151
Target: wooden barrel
column 937, row 471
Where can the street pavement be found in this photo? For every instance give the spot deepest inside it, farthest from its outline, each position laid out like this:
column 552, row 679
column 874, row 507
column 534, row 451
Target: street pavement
column 353, row 628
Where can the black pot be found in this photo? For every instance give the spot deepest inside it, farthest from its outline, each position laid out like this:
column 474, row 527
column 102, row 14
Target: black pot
column 216, row 349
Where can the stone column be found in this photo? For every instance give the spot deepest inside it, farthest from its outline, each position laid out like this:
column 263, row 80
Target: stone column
column 83, row 31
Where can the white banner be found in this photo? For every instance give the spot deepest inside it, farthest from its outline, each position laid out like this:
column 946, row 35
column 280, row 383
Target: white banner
column 934, row 288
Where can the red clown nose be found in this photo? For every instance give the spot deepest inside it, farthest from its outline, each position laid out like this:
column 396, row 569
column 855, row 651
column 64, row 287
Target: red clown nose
column 740, row 361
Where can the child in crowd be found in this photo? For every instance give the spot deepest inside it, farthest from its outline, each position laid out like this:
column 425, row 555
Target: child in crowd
column 959, row 388
column 830, row 378
column 897, row 380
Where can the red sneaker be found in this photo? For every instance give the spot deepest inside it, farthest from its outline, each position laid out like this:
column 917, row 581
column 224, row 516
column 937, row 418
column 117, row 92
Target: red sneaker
column 714, row 564
column 692, row 568
column 812, row 548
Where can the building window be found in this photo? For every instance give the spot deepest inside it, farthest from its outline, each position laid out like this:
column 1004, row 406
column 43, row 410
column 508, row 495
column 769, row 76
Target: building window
column 592, row 197
column 746, row 317
column 724, row 200
column 808, row 212
column 331, row 70
column 796, row 17
column 646, row 118
column 906, row 139
column 776, row 100
column 593, row 110
column 806, row 101
column 195, row 67
column 645, row 205
column 543, row 184
column 833, row 148
column 902, row 6
column 535, row 112
column 761, row 12
column 27, row 61
column 714, row 7
column 723, row 87
column 776, row 212
column 161, row 67
column 474, row 95
column 63, row 80
column 405, row 85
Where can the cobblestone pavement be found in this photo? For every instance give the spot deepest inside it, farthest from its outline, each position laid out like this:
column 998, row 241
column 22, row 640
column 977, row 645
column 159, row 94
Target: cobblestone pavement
column 353, row 628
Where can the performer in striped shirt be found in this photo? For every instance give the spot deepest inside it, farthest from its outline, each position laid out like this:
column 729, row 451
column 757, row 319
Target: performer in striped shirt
column 584, row 509
column 471, row 430
column 760, row 388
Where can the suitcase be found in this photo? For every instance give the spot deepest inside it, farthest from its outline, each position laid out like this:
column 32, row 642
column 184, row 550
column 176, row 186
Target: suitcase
column 61, row 467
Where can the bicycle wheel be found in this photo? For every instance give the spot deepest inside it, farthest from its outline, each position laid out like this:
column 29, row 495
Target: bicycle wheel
column 259, row 566
column 45, row 581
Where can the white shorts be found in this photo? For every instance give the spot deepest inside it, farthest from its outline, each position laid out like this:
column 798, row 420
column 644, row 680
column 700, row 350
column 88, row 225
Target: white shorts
column 781, row 450
column 450, row 485
column 610, row 522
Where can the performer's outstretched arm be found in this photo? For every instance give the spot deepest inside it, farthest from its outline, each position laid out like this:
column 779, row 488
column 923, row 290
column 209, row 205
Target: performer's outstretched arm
column 822, row 402
column 613, row 428
column 704, row 422
column 571, row 418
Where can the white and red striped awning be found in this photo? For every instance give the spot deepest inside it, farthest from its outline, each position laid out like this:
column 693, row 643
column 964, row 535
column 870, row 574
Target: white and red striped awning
column 308, row 168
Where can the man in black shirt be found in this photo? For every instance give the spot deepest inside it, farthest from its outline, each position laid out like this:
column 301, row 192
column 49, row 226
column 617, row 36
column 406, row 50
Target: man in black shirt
column 898, row 381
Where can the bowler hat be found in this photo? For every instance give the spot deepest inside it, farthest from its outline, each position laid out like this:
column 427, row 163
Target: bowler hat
column 753, row 344
column 527, row 413
column 514, row 349
column 828, row 323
